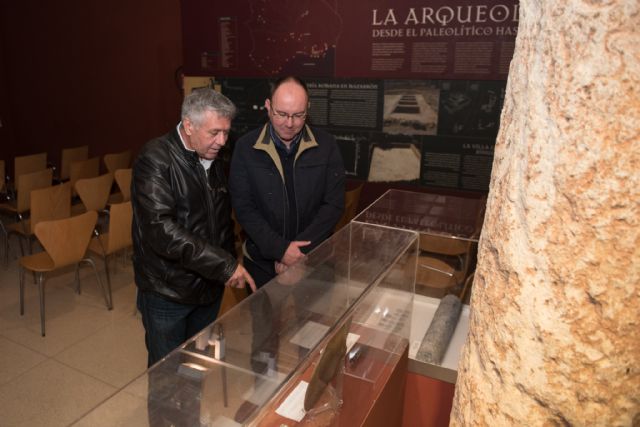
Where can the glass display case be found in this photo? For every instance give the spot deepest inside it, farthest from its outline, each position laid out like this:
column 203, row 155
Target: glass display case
column 448, row 228
column 347, row 306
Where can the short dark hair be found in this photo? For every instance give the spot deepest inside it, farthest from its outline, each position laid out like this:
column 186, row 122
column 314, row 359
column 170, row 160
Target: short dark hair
column 276, row 84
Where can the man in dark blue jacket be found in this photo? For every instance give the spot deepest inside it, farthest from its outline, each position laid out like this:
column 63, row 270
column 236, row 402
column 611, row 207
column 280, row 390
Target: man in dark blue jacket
column 287, row 184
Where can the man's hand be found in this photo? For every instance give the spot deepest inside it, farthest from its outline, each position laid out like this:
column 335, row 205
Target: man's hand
column 241, row 277
column 291, row 275
column 280, row 267
column 293, row 253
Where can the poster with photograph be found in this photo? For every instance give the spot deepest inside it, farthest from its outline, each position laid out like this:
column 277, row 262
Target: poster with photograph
column 470, row 107
column 394, row 158
column 354, row 148
column 411, row 107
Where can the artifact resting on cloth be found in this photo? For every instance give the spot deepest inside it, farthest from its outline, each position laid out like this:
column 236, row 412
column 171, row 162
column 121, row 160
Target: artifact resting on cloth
column 436, row 339
column 328, row 366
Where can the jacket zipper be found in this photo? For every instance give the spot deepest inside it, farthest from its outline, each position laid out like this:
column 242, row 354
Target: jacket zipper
column 203, row 173
column 285, row 197
column 293, row 182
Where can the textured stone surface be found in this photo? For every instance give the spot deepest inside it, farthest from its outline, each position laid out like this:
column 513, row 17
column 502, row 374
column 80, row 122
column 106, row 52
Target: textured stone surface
column 554, row 330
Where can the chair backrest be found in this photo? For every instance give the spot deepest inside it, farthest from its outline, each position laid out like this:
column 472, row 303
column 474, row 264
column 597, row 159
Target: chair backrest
column 50, row 203
column 70, row 155
column 27, row 164
column 66, row 240
column 94, row 192
column 89, row 168
column 351, row 200
column 29, row 182
column 120, row 218
column 116, row 161
column 123, row 179
column 443, row 245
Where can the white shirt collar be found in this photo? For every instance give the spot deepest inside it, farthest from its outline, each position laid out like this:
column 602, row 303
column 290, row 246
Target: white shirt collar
column 204, row 162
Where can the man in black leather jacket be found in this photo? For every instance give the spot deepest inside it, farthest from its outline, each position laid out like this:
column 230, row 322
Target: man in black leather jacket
column 182, row 230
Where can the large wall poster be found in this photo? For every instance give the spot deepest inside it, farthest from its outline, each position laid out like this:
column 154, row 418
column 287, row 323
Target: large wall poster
column 413, row 91
column 390, row 39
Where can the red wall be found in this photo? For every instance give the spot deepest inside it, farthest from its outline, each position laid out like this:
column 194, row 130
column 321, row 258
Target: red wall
column 82, row 72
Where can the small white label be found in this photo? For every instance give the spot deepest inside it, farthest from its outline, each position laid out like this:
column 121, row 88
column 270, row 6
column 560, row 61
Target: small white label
column 293, row 406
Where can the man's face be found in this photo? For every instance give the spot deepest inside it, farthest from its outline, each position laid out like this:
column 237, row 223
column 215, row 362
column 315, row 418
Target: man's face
column 287, row 110
column 208, row 138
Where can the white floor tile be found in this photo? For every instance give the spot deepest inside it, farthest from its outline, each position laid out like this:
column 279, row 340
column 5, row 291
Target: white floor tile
column 15, row 360
column 114, row 354
column 51, row 394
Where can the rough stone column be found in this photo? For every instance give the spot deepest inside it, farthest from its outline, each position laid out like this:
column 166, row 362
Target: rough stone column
column 555, row 319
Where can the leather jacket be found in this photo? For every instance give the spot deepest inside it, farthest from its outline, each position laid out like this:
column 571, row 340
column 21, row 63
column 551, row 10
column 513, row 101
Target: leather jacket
column 182, row 230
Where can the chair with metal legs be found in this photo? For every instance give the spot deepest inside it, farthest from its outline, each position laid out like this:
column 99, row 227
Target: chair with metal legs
column 19, row 207
column 117, row 238
column 46, row 204
column 65, row 243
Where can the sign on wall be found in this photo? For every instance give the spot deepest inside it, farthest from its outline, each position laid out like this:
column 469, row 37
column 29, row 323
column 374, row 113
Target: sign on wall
column 375, row 39
column 412, row 91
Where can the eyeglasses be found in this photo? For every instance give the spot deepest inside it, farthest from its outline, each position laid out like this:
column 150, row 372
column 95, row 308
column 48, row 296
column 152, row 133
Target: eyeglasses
column 283, row 117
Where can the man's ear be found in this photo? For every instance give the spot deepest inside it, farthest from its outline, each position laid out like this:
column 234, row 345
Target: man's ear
column 267, row 105
column 187, row 124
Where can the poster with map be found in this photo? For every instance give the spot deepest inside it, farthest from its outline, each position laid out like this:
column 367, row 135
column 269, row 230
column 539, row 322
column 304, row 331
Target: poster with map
column 389, row 39
column 257, row 38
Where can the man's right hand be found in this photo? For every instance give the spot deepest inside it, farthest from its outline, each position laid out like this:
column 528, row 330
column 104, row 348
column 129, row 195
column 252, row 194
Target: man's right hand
column 293, row 253
column 240, row 278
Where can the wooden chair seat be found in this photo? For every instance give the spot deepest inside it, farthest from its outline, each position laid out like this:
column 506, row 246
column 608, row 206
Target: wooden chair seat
column 40, row 262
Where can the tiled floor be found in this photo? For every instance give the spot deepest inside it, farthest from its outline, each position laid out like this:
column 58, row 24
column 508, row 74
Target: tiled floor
column 88, row 352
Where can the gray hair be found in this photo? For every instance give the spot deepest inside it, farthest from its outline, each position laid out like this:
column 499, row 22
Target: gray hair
column 204, row 99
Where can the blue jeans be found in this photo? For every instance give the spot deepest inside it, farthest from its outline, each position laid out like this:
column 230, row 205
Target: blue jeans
column 168, row 324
